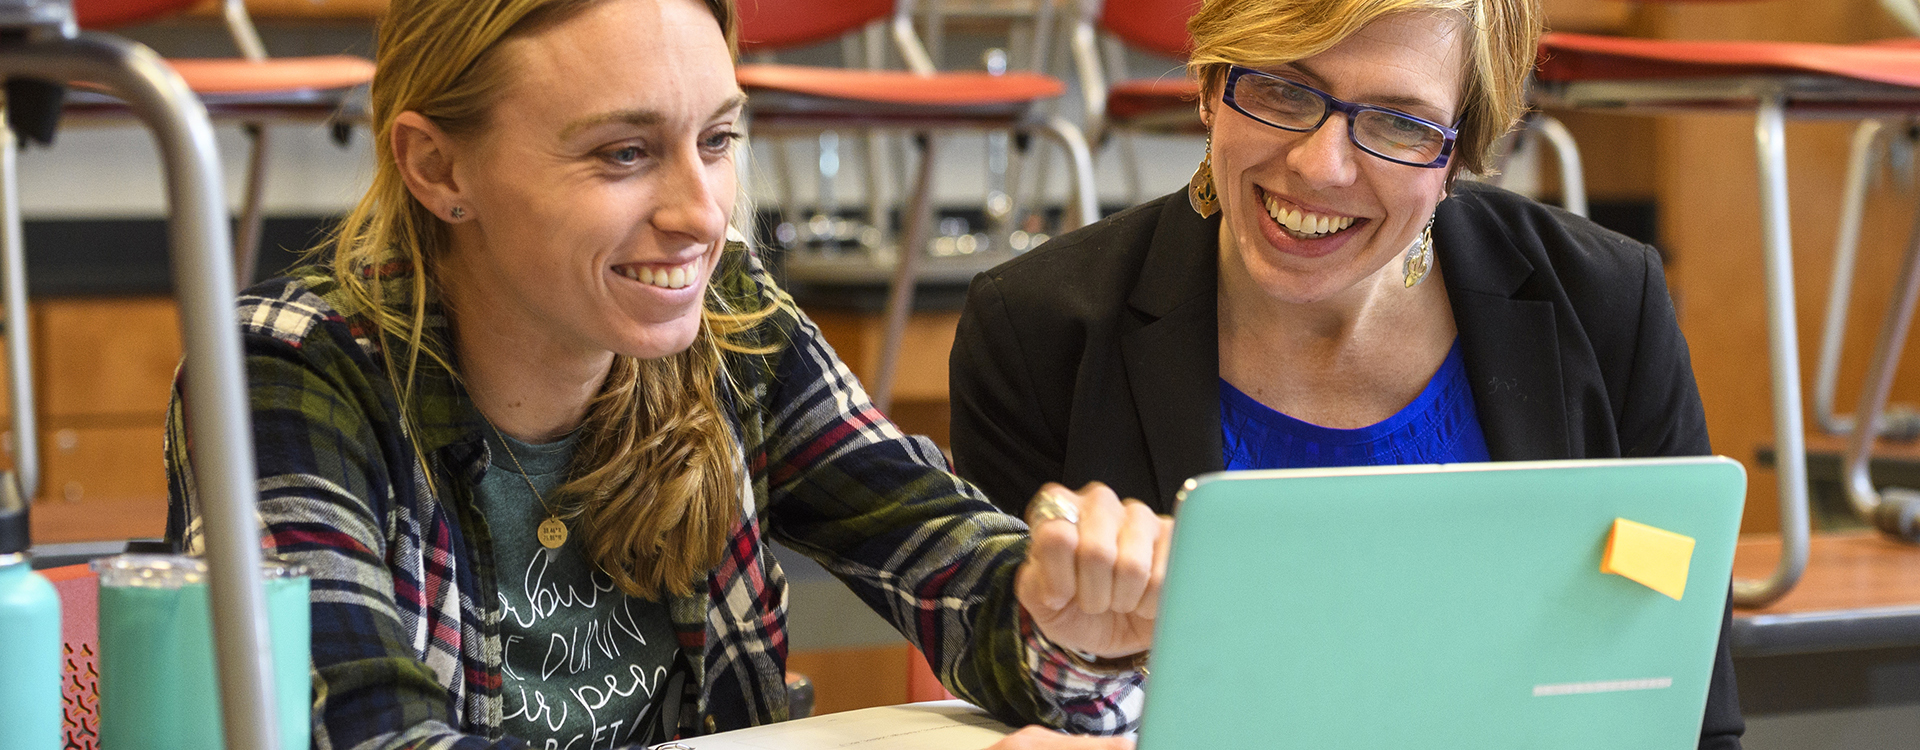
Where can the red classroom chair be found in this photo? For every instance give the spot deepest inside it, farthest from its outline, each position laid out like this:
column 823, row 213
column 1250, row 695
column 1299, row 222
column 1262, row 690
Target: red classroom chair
column 1118, row 104
column 793, row 99
column 1115, row 101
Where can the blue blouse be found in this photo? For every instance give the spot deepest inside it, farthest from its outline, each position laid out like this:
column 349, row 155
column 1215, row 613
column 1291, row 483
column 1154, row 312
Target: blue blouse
column 1439, row 427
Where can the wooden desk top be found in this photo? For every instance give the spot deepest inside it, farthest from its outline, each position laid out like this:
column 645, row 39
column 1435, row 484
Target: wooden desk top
column 1895, row 449
column 1860, row 591
column 1845, row 570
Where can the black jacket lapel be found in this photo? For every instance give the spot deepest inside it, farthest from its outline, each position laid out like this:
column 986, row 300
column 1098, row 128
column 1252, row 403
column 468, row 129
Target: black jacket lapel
column 1509, row 342
column 1173, row 358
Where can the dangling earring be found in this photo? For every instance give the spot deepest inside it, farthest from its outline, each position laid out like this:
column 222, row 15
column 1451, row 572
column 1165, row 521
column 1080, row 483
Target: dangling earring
column 1200, row 190
column 1419, row 260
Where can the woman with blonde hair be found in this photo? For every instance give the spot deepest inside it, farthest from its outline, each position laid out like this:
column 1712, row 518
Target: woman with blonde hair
column 534, row 422
column 1326, row 292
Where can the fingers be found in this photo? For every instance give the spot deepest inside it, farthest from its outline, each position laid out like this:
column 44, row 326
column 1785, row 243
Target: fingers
column 1133, row 563
column 1101, row 518
column 1162, row 542
column 1035, row 737
column 1049, row 572
column 1093, row 552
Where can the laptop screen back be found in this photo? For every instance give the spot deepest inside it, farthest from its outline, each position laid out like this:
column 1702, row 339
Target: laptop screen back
column 1458, row 606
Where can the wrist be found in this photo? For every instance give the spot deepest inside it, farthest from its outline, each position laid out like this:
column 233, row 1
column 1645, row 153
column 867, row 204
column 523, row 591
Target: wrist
column 1136, row 662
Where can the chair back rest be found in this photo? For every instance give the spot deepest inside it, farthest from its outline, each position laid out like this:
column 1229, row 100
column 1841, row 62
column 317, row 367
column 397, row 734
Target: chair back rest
column 780, row 24
column 1157, row 26
column 106, row 14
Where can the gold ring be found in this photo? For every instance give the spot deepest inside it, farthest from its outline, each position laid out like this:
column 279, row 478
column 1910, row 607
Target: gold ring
column 1049, row 506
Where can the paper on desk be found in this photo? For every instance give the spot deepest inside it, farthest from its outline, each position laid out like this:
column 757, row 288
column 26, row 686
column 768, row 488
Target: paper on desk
column 935, row 725
column 1654, row 557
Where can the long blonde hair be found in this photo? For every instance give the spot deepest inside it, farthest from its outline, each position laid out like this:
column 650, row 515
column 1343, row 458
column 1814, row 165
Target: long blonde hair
column 655, row 487
column 1501, row 40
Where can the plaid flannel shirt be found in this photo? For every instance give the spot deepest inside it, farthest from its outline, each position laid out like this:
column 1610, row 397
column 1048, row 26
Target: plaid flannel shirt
column 405, row 614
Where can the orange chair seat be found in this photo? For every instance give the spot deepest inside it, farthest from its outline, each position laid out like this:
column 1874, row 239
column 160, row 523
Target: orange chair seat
column 1567, row 57
column 275, row 75
column 1153, row 97
column 892, row 87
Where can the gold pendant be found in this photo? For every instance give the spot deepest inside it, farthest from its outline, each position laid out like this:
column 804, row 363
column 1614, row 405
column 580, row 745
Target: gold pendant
column 552, row 533
column 1419, row 258
column 1201, row 193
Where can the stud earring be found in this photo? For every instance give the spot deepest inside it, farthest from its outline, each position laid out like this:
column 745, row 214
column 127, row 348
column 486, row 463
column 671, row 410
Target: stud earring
column 1419, row 260
column 459, row 212
column 1201, row 193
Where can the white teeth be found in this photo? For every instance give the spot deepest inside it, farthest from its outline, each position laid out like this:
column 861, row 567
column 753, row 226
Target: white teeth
column 1301, row 222
column 675, row 278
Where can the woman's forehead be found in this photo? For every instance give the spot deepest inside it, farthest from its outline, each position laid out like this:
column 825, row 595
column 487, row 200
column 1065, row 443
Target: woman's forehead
column 1397, row 60
column 662, row 56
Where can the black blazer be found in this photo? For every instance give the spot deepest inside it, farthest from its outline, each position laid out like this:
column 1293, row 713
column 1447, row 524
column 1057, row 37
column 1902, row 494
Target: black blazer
column 1097, row 356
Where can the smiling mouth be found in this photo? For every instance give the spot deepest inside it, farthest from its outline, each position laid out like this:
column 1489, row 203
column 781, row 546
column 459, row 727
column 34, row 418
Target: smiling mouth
column 1302, row 224
column 663, row 277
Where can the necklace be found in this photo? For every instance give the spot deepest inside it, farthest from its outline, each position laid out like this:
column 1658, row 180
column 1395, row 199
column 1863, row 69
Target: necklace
column 552, row 532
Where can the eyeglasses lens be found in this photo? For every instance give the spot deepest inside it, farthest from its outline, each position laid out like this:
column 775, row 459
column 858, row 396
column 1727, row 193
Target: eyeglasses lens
column 1398, row 137
column 1292, row 107
column 1279, row 102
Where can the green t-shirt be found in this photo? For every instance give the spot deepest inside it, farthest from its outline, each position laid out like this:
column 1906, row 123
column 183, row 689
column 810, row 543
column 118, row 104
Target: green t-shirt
column 582, row 660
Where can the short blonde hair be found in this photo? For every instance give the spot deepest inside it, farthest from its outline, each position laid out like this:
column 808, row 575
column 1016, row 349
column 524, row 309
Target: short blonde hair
column 1502, row 36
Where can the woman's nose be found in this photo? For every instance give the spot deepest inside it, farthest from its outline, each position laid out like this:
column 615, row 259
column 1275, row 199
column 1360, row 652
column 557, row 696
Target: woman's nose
column 692, row 200
column 1326, row 157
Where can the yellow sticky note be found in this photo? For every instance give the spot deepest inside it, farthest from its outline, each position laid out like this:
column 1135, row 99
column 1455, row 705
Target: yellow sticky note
column 1655, row 558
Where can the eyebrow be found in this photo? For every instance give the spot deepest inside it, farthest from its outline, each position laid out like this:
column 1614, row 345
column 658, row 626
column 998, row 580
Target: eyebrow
column 1385, row 100
column 641, row 117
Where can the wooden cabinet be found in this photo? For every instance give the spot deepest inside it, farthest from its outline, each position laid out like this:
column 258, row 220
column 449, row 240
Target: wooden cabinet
column 105, row 359
column 103, row 369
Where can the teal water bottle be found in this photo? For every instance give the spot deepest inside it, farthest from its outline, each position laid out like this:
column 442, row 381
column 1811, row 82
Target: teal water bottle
column 29, row 636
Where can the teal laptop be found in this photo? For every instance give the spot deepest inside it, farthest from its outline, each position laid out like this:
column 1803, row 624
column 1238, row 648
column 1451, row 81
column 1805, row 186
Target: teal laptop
column 1439, row 607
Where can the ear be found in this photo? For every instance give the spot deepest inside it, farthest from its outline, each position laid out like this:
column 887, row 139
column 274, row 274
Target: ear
column 425, row 155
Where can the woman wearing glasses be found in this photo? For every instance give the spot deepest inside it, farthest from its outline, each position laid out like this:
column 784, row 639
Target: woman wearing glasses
column 1326, row 292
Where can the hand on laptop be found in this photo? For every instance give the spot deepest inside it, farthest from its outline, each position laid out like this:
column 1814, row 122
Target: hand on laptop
column 1092, row 578
column 1042, row 738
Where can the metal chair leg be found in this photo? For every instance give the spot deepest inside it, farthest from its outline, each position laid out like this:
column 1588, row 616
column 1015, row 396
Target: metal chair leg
column 1868, row 140
column 1085, row 208
column 246, row 246
column 13, row 273
column 1573, row 179
column 906, row 275
column 874, row 153
column 1846, row 249
column 1895, row 511
column 1790, row 448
